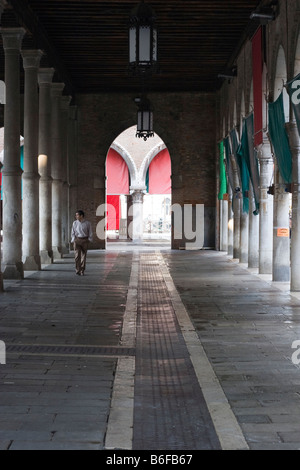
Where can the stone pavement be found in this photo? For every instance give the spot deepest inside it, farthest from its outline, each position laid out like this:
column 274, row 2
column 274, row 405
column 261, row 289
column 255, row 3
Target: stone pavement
column 152, row 349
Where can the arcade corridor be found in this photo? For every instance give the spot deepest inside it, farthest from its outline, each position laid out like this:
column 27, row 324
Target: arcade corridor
column 183, row 334
column 152, row 349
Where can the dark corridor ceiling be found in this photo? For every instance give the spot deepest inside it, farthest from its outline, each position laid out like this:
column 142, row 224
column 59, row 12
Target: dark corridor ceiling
column 86, row 40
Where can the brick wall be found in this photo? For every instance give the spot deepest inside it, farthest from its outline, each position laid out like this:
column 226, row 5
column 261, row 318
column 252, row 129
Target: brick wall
column 184, row 121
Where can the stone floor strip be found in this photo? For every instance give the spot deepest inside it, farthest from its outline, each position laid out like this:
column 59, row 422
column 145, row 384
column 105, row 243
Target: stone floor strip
column 226, row 425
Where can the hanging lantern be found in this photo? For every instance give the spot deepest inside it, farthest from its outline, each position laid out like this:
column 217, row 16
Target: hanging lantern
column 142, row 40
column 144, row 127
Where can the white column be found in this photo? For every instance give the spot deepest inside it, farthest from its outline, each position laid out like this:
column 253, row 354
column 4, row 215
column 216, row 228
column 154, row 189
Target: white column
column 1, row 274
column 12, row 204
column 281, row 239
column 137, row 213
column 45, row 77
column 65, row 102
column 56, row 169
column 224, row 224
column 244, row 235
column 236, row 207
column 295, row 235
column 253, row 253
column 265, row 209
column 30, row 178
column 230, row 223
column 72, row 165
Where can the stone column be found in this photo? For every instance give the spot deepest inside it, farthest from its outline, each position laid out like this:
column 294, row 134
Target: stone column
column 129, row 217
column 56, row 169
column 224, row 225
column 244, row 235
column 236, row 207
column 253, row 253
column 31, row 252
column 1, row 274
column 266, row 209
column 45, row 77
column 137, row 213
column 295, row 231
column 12, row 204
column 65, row 236
column 72, row 165
column 230, row 224
column 281, row 239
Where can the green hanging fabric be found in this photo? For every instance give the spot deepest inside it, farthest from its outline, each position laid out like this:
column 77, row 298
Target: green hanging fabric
column 223, row 179
column 249, row 168
column 279, row 139
column 242, row 170
column 228, row 162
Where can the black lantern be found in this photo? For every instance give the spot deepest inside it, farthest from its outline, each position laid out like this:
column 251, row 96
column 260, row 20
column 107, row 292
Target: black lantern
column 142, row 40
column 144, row 128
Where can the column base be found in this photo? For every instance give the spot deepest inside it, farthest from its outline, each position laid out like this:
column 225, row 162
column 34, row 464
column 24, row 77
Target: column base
column 32, row 263
column 46, row 257
column 56, row 252
column 65, row 250
column 14, row 271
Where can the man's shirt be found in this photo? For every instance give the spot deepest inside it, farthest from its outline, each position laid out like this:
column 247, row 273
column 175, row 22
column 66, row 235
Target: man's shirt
column 81, row 230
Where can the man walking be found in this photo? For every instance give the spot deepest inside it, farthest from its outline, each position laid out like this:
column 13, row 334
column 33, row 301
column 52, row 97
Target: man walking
column 81, row 235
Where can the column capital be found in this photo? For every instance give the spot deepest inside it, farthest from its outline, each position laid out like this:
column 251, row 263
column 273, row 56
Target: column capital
column 57, row 89
column 65, row 101
column 12, row 38
column 137, row 196
column 31, row 58
column 264, row 152
column 45, row 75
column 73, row 112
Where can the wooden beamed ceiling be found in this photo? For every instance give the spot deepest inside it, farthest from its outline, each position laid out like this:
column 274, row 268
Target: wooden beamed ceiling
column 86, row 41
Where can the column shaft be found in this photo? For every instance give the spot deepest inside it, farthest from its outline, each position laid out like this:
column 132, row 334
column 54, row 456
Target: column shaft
column 56, row 169
column 224, row 225
column 230, row 223
column 45, row 77
column 266, row 210
column 72, row 166
column 137, row 212
column 281, row 239
column 295, row 231
column 253, row 254
column 31, row 255
column 65, row 184
column 12, row 204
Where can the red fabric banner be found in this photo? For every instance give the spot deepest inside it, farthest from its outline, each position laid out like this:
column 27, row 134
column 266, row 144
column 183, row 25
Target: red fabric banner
column 160, row 173
column 117, row 174
column 257, row 71
column 113, row 212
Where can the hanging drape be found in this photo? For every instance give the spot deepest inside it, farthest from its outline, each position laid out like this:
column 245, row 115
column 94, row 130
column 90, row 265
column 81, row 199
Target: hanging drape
column 223, row 179
column 113, row 212
column 249, row 154
column 229, row 168
column 158, row 177
column 242, row 168
column 279, row 139
column 117, row 174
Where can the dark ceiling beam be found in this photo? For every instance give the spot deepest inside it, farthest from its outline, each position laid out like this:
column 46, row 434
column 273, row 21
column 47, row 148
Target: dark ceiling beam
column 29, row 20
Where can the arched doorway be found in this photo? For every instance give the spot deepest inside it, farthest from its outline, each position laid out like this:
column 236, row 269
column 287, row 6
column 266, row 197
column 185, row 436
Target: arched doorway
column 138, row 189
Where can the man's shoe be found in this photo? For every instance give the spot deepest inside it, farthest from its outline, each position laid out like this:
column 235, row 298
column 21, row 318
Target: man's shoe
column 81, row 274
